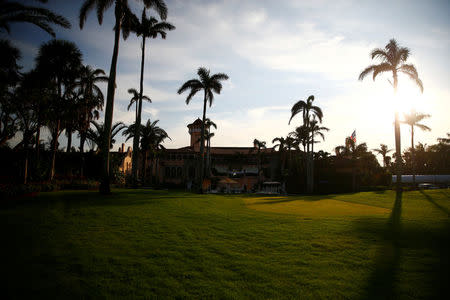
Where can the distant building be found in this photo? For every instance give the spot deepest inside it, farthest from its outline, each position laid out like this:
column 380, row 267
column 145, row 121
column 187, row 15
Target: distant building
column 125, row 166
column 232, row 168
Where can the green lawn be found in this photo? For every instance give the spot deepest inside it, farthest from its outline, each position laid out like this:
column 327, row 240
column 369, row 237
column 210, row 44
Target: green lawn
column 143, row 243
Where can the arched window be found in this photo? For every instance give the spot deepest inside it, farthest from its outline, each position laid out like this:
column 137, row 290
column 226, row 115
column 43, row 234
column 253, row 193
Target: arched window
column 173, row 172
column 179, row 172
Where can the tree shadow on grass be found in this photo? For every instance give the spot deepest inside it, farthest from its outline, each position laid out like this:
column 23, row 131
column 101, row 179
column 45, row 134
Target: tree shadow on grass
column 430, row 199
column 381, row 284
column 397, row 238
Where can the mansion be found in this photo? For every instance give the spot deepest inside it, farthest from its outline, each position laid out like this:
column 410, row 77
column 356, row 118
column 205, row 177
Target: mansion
column 231, row 168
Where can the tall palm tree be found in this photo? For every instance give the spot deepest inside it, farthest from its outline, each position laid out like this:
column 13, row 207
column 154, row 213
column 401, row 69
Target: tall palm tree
column 383, row 151
column 258, row 146
column 308, row 110
column 91, row 98
column 393, row 60
column 412, row 119
column 145, row 28
column 122, row 14
column 11, row 12
column 210, row 84
column 97, row 135
column 135, row 100
column 60, row 61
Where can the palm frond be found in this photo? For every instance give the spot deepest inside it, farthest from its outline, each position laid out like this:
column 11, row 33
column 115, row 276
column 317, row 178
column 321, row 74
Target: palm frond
column 190, row 84
column 366, row 71
column 296, row 108
column 411, row 71
column 159, row 6
column 87, row 6
column 381, row 68
column 379, row 53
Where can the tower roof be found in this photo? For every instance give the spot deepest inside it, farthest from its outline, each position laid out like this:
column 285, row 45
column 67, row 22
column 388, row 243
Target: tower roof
column 197, row 122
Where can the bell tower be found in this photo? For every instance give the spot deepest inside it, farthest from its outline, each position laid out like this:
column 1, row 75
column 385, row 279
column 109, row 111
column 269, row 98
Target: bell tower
column 195, row 130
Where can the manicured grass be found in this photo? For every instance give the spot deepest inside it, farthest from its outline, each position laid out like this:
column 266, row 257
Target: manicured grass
column 143, row 243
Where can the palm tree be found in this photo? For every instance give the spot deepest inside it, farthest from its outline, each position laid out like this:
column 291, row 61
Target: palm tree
column 383, row 151
column 135, row 99
column 281, row 145
column 301, row 136
column 208, row 124
column 152, row 137
column 353, row 152
column 60, row 61
column 11, row 12
column 258, row 146
column 210, row 85
column 146, row 28
column 308, row 110
column 412, row 119
column 122, row 14
column 393, row 59
column 70, row 115
column 316, row 130
column 92, row 98
column 97, row 135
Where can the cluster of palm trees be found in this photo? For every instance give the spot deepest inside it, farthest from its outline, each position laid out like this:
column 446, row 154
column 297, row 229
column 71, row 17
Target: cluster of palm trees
column 62, row 93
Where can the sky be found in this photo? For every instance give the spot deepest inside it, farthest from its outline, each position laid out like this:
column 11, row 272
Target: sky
column 275, row 53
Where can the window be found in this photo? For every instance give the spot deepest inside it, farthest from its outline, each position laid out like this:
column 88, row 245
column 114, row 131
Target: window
column 179, row 172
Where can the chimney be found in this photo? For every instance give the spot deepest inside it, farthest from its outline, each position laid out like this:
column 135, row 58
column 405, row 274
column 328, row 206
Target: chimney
column 123, row 147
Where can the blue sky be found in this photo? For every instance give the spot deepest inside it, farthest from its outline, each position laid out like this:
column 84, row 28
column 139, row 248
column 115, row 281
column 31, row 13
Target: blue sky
column 275, row 53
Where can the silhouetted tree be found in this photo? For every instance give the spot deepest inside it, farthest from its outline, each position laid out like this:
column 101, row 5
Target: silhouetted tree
column 60, row 61
column 122, row 14
column 412, row 119
column 393, row 60
column 145, row 28
column 210, row 84
column 12, row 12
column 383, row 151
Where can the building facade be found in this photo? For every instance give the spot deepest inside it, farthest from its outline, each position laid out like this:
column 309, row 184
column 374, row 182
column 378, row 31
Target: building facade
column 232, row 169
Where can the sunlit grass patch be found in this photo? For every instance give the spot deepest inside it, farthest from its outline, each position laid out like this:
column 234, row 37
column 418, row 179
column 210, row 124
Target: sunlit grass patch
column 312, row 207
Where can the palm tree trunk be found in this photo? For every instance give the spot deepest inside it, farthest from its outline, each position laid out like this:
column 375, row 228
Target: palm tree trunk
column 69, row 140
column 413, row 159
column 38, row 136
column 54, row 149
column 55, row 136
column 398, row 151
column 104, row 187
column 311, row 165
column 145, row 167
column 202, row 145
column 135, row 160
